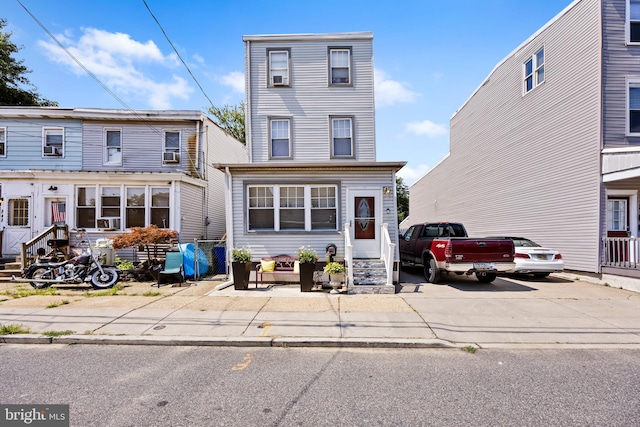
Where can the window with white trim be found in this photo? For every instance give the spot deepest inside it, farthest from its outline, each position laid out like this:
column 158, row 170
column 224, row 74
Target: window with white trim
column 340, row 66
column 278, row 67
column 534, row 71
column 280, row 138
column 160, row 207
column 617, row 215
column 633, row 21
column 341, row 137
column 135, row 207
column 53, row 142
column 633, row 106
column 18, row 212
column 3, row 142
column 285, row 208
column 171, row 148
column 113, row 146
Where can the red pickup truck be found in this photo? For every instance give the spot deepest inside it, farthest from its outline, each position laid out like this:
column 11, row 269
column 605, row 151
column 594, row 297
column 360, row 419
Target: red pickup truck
column 443, row 247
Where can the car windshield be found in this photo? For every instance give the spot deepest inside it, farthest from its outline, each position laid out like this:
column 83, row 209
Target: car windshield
column 525, row 243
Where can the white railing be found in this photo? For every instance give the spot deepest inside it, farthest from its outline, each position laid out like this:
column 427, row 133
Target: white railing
column 621, row 252
column 386, row 252
column 348, row 254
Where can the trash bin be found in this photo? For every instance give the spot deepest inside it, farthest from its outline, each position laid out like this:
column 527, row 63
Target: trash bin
column 107, row 252
column 220, row 253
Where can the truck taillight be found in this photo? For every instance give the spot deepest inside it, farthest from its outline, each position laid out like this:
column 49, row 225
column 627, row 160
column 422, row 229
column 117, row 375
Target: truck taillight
column 447, row 250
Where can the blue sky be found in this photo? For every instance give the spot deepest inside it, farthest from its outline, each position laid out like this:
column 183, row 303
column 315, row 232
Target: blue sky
column 429, row 55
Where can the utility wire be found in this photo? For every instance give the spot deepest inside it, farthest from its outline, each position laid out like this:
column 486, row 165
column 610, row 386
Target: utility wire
column 177, row 53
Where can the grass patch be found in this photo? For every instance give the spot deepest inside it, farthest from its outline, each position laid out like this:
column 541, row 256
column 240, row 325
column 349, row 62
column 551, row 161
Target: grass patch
column 470, row 349
column 22, row 291
column 57, row 333
column 13, row 328
column 104, row 293
column 151, row 294
column 58, row 303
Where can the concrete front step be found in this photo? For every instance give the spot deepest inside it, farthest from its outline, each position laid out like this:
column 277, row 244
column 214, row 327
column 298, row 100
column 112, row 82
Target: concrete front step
column 369, row 274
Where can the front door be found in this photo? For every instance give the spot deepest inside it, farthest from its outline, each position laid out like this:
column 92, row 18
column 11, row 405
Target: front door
column 18, row 219
column 618, row 226
column 365, row 215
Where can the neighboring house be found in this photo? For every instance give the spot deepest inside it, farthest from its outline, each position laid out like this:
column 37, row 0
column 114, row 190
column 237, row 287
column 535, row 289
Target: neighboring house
column 312, row 178
column 548, row 146
column 110, row 170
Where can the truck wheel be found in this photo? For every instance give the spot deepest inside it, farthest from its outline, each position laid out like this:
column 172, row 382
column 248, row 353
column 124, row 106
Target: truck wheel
column 431, row 271
column 484, row 277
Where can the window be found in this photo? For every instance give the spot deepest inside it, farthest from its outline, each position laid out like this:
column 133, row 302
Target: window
column 534, row 71
column 633, row 106
column 340, row 66
column 86, row 207
column 278, row 68
column 3, row 142
column 633, row 17
column 135, row 207
column 53, row 142
column 171, row 153
column 292, row 208
column 617, row 215
column 113, row 146
column 18, row 212
column 341, row 137
column 110, row 202
column 160, row 207
column 280, row 138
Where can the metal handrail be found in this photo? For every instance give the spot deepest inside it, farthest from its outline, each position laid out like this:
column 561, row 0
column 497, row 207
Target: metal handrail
column 386, row 252
column 348, row 255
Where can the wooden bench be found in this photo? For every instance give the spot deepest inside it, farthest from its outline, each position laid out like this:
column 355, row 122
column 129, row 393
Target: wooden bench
column 283, row 264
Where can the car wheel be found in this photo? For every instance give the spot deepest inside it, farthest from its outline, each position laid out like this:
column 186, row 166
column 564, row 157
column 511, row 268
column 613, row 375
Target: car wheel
column 484, row 277
column 431, row 271
column 540, row 275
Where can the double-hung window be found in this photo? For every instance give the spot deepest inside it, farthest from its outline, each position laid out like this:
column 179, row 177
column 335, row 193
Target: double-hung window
column 278, row 67
column 3, row 142
column 280, row 138
column 171, row 150
column 160, row 206
column 633, row 20
column 113, row 146
column 86, row 207
column 633, row 106
column 135, row 207
column 286, row 208
column 52, row 141
column 340, row 66
column 534, row 70
column 342, row 137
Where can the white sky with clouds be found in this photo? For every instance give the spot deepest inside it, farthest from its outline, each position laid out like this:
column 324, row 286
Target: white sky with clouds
column 430, row 55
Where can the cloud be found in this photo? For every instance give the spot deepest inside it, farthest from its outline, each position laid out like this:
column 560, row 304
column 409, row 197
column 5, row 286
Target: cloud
column 122, row 64
column 390, row 92
column 410, row 175
column 426, row 127
column 235, row 80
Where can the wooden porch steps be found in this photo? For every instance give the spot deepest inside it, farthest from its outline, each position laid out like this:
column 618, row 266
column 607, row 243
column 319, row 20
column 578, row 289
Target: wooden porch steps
column 10, row 266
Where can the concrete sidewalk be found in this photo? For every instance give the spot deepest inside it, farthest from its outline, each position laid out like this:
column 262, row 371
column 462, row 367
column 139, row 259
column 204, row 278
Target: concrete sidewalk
column 557, row 312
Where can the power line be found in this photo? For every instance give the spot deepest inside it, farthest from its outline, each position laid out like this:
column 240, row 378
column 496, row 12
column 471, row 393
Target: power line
column 177, row 53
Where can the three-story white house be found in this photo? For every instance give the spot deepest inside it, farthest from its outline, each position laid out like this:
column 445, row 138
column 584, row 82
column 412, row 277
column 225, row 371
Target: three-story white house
column 312, row 178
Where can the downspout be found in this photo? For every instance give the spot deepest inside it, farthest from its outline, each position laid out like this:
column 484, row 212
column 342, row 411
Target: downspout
column 247, row 109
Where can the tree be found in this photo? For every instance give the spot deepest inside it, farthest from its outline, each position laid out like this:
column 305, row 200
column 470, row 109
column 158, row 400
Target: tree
column 402, row 199
column 144, row 236
column 231, row 119
column 15, row 88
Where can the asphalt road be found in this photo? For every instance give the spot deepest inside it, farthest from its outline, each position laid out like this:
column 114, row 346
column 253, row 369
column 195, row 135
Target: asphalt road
column 213, row 386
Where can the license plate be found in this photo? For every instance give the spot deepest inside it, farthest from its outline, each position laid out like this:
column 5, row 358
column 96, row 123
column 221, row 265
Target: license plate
column 483, row 266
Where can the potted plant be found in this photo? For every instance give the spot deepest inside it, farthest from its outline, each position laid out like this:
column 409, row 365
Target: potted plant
column 241, row 267
column 335, row 270
column 307, row 258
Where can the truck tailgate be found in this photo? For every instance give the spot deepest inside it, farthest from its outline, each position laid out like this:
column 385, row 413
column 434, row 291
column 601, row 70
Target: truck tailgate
column 481, row 250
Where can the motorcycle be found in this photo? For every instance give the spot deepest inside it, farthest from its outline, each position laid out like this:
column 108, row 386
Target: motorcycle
column 86, row 267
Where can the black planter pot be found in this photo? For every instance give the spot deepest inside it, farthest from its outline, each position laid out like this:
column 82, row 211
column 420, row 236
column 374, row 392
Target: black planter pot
column 241, row 272
column 306, row 276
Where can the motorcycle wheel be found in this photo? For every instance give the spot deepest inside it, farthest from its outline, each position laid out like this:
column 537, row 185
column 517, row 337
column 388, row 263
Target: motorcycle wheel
column 106, row 280
column 41, row 273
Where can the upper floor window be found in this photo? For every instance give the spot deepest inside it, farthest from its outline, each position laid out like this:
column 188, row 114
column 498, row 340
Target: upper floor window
column 278, row 67
column 113, row 146
column 633, row 106
column 534, row 70
column 171, row 149
column 340, row 66
column 633, row 19
column 52, row 141
column 3, row 142
column 341, row 137
column 280, row 138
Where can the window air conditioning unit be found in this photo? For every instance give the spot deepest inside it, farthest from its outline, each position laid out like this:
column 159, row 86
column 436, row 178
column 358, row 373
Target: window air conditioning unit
column 279, row 80
column 171, row 157
column 50, row 151
column 111, row 223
